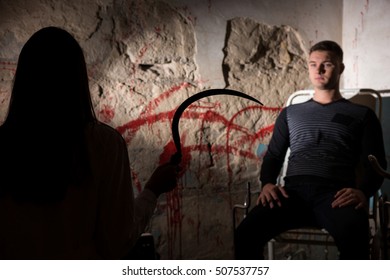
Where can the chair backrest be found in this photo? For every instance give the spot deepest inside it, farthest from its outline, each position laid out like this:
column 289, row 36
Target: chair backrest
column 365, row 96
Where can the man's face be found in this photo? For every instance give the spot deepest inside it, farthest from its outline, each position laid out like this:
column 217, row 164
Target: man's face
column 324, row 70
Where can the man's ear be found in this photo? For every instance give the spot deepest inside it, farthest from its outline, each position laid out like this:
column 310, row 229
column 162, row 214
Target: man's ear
column 342, row 67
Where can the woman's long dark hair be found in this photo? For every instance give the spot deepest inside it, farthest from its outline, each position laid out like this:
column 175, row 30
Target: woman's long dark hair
column 42, row 141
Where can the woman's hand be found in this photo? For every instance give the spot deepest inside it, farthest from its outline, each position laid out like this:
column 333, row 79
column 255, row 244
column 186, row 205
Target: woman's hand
column 163, row 179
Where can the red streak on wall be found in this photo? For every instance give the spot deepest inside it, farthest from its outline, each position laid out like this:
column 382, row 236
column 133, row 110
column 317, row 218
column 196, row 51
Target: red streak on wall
column 8, row 66
column 156, row 102
column 174, row 219
column 248, row 136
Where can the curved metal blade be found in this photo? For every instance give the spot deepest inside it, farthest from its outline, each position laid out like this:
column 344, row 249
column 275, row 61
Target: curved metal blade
column 176, row 158
column 375, row 164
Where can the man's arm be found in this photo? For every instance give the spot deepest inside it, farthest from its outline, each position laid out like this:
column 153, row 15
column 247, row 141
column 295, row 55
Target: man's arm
column 277, row 148
column 272, row 163
column 372, row 143
column 368, row 180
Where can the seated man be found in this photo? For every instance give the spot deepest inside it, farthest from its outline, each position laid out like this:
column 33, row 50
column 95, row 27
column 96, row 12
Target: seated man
column 329, row 137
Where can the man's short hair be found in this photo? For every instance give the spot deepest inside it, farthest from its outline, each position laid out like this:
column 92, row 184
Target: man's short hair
column 329, row 46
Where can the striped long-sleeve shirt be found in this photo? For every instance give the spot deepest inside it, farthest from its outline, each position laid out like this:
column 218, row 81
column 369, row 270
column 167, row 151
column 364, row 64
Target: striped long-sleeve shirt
column 327, row 142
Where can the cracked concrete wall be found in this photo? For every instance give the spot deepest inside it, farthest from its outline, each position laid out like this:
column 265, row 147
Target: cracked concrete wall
column 142, row 58
column 269, row 61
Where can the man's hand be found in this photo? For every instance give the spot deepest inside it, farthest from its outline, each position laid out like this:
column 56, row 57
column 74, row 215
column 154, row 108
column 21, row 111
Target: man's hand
column 270, row 194
column 350, row 196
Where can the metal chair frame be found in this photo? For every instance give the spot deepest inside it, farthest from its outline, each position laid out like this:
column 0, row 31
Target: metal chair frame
column 384, row 208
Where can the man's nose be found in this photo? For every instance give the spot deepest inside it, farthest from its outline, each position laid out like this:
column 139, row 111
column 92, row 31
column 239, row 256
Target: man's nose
column 321, row 69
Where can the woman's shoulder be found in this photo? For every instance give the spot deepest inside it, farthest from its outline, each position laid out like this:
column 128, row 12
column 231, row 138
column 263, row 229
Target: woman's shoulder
column 104, row 134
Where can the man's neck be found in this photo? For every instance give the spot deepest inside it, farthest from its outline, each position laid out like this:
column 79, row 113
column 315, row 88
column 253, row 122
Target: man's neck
column 325, row 96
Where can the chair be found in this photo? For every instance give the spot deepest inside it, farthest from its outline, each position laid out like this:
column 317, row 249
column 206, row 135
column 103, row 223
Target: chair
column 314, row 236
column 384, row 208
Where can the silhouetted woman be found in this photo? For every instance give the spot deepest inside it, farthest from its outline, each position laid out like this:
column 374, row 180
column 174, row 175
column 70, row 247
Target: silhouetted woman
column 65, row 183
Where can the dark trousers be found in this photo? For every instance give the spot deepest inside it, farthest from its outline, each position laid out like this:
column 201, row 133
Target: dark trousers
column 307, row 205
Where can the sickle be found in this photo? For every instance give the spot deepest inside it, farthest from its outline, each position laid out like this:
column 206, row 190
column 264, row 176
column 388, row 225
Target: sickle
column 176, row 158
column 375, row 164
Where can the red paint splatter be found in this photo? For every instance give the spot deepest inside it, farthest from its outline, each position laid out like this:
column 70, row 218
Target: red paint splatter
column 137, row 184
column 248, row 136
column 8, row 66
column 156, row 102
column 107, row 113
column 174, row 219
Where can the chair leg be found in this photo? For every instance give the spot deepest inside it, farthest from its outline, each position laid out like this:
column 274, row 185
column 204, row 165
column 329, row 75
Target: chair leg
column 386, row 237
column 245, row 206
column 384, row 224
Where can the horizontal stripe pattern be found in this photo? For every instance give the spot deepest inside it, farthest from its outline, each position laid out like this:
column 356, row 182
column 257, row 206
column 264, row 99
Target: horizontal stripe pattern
column 325, row 139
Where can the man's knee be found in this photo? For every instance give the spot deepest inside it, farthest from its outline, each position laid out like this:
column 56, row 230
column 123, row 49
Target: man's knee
column 350, row 230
